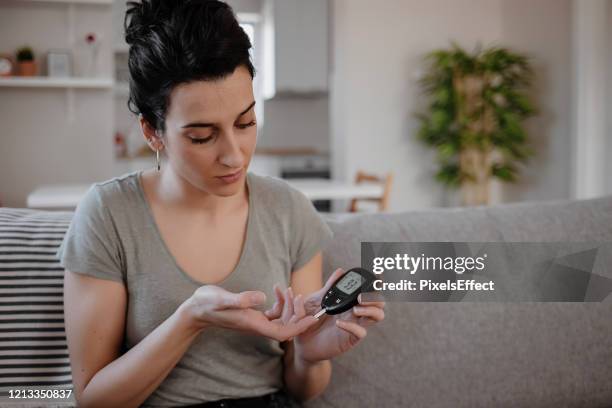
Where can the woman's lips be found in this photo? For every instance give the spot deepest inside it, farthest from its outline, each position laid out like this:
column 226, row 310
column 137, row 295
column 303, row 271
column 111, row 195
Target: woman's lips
column 230, row 178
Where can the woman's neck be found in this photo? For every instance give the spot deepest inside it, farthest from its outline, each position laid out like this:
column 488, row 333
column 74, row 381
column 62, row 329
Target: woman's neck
column 172, row 190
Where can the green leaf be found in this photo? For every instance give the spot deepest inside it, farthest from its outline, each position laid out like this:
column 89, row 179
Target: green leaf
column 446, row 151
column 449, row 175
column 439, row 120
column 504, row 172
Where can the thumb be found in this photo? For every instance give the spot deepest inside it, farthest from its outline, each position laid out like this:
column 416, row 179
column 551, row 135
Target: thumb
column 332, row 278
column 244, row 300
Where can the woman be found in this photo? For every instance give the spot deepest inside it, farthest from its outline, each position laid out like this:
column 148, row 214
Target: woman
column 173, row 275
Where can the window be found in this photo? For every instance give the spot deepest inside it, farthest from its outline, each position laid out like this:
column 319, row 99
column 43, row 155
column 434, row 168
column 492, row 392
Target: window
column 250, row 23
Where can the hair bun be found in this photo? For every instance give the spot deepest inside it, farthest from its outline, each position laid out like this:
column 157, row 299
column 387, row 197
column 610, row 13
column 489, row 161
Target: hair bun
column 142, row 16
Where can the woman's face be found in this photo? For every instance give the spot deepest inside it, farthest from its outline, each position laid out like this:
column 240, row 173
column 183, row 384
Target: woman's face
column 211, row 132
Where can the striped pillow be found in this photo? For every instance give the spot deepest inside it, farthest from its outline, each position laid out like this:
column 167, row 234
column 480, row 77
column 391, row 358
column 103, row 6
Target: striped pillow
column 33, row 350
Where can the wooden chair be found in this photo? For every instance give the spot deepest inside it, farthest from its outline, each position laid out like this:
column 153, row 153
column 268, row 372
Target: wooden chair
column 383, row 200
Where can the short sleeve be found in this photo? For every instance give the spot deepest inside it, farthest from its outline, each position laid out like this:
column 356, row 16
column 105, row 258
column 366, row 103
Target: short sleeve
column 91, row 244
column 309, row 231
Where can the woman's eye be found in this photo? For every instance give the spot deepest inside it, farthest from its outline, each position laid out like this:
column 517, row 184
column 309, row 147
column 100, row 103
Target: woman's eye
column 200, row 140
column 246, row 125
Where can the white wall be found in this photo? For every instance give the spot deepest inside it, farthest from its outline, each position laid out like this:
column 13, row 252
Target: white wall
column 292, row 122
column 543, row 29
column 609, row 102
column 376, row 62
column 245, row 6
column 38, row 144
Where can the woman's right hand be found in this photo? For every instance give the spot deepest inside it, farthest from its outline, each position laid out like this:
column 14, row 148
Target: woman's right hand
column 212, row 305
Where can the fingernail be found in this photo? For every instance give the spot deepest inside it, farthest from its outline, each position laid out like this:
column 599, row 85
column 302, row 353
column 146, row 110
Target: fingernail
column 258, row 297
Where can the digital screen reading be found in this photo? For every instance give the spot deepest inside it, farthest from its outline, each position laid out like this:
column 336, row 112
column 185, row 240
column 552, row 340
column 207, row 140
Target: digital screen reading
column 349, row 283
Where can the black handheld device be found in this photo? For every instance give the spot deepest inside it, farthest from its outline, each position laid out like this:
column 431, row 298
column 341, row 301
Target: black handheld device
column 342, row 296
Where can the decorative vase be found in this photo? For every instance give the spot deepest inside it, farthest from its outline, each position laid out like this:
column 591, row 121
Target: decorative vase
column 27, row 68
column 93, row 45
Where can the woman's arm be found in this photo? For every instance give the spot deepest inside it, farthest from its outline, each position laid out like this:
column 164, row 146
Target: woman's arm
column 95, row 326
column 306, row 380
column 95, row 323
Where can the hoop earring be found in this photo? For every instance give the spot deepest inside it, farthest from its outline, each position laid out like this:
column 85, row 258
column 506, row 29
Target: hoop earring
column 157, row 159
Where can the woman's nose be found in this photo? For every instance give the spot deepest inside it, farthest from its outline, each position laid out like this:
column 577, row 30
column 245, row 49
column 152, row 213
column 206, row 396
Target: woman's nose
column 230, row 154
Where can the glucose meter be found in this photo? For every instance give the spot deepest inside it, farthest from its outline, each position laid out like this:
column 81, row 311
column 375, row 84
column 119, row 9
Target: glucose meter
column 344, row 292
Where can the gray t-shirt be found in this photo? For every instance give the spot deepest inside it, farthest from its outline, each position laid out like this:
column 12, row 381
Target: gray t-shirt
column 113, row 236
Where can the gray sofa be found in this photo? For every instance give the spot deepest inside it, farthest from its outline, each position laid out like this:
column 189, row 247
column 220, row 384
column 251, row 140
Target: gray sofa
column 423, row 354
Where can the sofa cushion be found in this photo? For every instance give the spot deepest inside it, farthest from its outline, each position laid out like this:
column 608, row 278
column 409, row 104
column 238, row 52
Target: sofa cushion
column 33, row 350
column 477, row 354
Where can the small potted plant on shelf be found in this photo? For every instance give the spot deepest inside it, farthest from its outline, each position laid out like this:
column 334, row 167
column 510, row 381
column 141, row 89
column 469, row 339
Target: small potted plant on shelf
column 26, row 64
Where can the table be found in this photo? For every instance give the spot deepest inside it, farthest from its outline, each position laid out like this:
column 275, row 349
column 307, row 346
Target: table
column 323, row 189
column 67, row 196
column 57, row 197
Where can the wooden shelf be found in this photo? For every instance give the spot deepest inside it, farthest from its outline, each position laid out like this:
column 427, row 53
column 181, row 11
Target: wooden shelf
column 47, row 82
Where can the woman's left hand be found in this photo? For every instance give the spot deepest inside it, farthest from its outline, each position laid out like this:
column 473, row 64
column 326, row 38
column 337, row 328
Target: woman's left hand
column 333, row 334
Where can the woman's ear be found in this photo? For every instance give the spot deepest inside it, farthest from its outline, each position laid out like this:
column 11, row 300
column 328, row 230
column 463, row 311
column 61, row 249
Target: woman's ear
column 151, row 135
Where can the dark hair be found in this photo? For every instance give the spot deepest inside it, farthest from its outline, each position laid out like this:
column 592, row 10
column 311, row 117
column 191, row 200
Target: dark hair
column 179, row 41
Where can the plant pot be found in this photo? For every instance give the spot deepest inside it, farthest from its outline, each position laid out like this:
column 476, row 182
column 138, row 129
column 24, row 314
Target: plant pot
column 27, row 68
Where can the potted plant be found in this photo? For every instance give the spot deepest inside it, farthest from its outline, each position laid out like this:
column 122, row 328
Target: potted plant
column 26, row 65
column 476, row 105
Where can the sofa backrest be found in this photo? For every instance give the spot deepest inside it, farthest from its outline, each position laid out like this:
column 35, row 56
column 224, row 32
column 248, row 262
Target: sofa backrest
column 477, row 354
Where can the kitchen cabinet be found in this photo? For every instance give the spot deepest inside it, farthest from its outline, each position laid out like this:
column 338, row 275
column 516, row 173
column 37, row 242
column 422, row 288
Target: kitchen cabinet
column 296, row 35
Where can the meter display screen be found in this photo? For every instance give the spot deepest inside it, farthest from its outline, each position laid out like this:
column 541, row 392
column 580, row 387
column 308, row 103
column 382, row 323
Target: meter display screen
column 349, row 283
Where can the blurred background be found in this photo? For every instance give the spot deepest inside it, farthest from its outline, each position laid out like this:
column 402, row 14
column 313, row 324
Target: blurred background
column 513, row 103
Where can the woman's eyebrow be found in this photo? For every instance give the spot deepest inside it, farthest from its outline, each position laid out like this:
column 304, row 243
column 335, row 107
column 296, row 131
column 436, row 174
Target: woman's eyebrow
column 200, row 124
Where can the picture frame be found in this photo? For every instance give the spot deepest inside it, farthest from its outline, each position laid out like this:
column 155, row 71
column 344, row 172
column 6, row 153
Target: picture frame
column 59, row 63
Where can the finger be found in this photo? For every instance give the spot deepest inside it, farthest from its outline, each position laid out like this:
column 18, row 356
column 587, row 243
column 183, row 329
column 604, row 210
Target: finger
column 298, row 308
column 284, row 332
column 288, row 307
column 242, row 300
column 332, row 279
column 366, row 322
column 274, row 312
column 380, row 304
column 277, row 308
column 352, row 328
column 279, row 293
column 375, row 313
column 292, row 330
